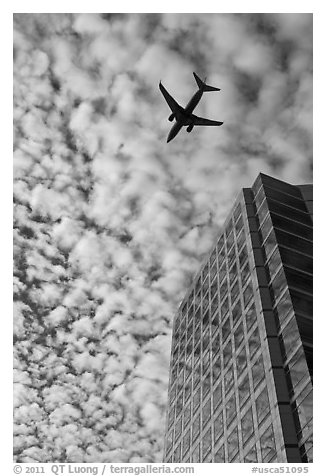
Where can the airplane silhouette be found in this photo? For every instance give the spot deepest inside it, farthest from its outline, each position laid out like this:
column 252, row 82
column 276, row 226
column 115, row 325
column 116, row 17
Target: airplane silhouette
column 184, row 116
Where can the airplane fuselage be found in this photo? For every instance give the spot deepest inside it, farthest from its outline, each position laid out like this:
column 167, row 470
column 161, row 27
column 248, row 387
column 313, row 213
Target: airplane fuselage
column 180, row 121
column 177, row 126
column 194, row 101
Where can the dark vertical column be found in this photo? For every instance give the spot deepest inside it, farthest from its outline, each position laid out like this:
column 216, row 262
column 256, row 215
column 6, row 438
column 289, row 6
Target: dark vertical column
column 285, row 416
column 285, row 228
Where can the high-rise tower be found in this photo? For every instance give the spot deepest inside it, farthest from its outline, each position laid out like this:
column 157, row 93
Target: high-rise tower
column 241, row 362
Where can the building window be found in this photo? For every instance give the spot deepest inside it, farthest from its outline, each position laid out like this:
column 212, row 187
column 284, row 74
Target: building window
column 283, row 306
column 224, row 307
column 229, row 241
column 222, row 272
column 233, row 444
column 303, row 304
column 214, row 307
column 213, row 270
column 221, row 251
column 254, row 342
column 215, row 343
column 227, row 354
column 207, row 441
column 218, row 427
column 266, row 227
column 260, row 197
column 262, row 406
column 247, row 426
column 230, row 410
column 208, row 458
column 213, row 288
column 244, row 390
column 251, row 317
column 279, row 283
column 267, row 444
column 219, row 456
column 188, row 352
column 190, row 329
column 196, row 454
column 186, row 417
column 196, row 373
column 235, row 291
column 206, row 383
column 298, row 367
column 197, row 348
column 179, row 404
column 229, row 380
column 241, row 362
column 258, row 371
column 243, row 256
column 241, row 239
column 274, row 262
column 217, row 396
column 295, row 242
column 197, row 315
column 171, row 417
column 247, row 294
column 251, row 456
column 245, row 273
column 205, row 362
column 174, row 372
column 237, row 212
column 206, row 412
column 196, row 427
column 231, row 256
column 239, row 225
column 196, row 400
column 262, row 211
column 296, row 228
column 297, row 260
column 236, row 312
column 206, row 316
column 233, row 273
column 226, row 330
column 290, row 335
column 238, row 336
column 285, row 198
column 298, row 280
column 223, row 289
column 205, row 289
column 178, row 426
column 216, row 368
column 284, row 210
column 186, row 442
column 305, row 411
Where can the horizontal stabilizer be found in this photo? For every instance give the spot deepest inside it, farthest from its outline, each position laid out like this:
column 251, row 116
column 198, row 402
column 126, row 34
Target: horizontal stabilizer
column 202, row 85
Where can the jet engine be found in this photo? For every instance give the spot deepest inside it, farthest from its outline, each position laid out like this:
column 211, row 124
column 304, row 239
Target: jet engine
column 190, row 127
column 171, row 117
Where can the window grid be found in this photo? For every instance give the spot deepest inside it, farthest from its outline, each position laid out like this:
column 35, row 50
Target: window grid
column 217, row 332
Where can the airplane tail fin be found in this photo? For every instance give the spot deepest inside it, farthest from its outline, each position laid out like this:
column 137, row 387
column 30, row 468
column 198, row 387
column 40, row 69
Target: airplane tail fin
column 202, row 85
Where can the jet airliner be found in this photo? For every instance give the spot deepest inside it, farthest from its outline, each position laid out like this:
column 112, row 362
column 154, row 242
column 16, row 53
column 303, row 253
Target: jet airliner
column 184, row 116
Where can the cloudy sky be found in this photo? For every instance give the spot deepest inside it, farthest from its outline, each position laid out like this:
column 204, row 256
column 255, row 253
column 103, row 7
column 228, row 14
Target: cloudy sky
column 111, row 222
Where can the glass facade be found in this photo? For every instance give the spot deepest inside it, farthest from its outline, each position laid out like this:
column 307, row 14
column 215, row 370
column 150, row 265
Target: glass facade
column 241, row 362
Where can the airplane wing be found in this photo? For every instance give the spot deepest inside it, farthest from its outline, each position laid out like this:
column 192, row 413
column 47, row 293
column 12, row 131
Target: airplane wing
column 201, row 121
column 174, row 106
